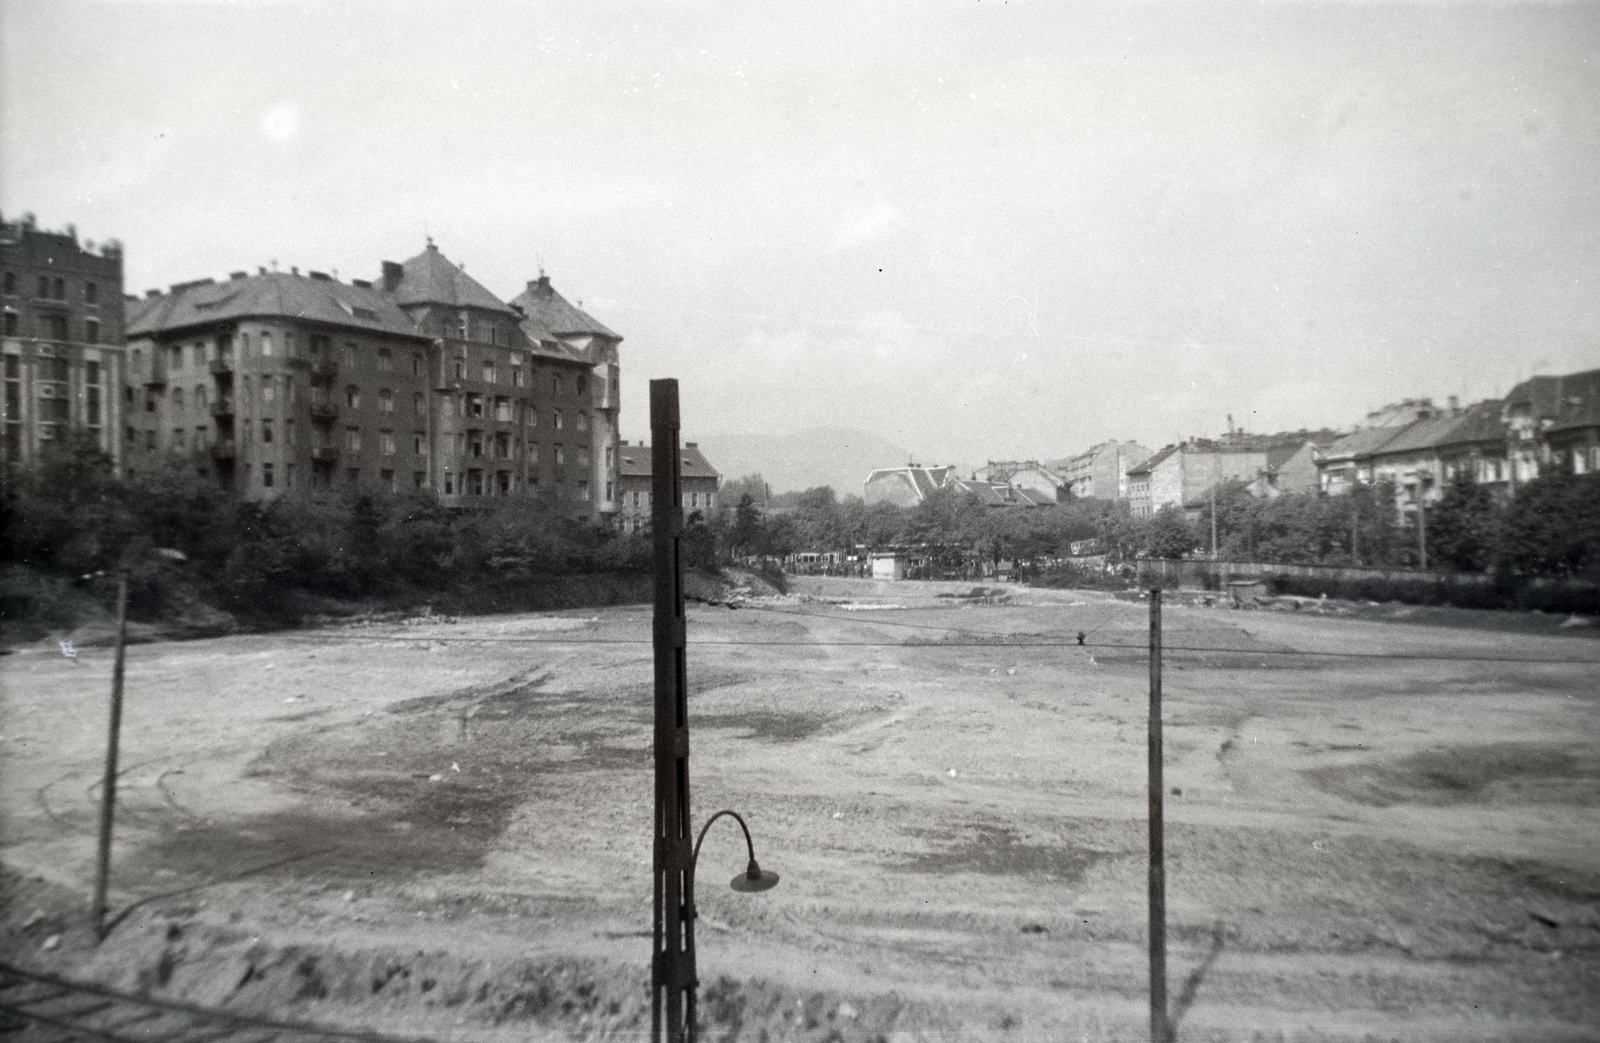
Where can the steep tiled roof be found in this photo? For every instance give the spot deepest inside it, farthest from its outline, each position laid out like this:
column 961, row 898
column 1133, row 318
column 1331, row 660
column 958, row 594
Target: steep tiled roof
column 1478, row 423
column 272, row 294
column 1360, row 443
column 430, row 278
column 1578, row 395
column 634, row 462
column 548, row 314
column 1151, row 464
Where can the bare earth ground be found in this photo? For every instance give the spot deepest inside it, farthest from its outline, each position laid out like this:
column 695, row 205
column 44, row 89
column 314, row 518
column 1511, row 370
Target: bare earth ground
column 442, row 828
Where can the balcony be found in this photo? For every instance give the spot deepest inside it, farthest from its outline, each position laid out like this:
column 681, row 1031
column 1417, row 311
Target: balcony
column 223, row 451
column 222, row 367
column 324, row 411
column 325, row 454
column 222, row 407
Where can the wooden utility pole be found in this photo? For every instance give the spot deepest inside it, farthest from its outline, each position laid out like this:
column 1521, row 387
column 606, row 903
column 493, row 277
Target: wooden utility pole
column 672, row 970
column 108, row 785
column 1158, row 868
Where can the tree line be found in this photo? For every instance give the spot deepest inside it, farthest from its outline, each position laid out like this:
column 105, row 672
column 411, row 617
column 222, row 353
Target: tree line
column 70, row 515
column 1549, row 527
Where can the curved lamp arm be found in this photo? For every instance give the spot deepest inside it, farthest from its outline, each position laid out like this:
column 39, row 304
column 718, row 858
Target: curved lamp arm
column 754, row 878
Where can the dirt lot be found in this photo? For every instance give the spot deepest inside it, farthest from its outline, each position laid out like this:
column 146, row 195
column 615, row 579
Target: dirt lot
column 442, row 827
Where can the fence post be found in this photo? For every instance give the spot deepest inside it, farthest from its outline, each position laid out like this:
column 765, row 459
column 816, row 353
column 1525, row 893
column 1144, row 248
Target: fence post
column 108, row 786
column 1158, row 869
column 672, row 970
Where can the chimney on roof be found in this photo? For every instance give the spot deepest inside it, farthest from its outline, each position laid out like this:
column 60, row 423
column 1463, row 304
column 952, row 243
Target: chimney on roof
column 540, row 286
column 1455, row 404
column 691, row 445
column 238, row 275
column 151, row 295
column 392, row 274
column 293, row 270
column 261, row 269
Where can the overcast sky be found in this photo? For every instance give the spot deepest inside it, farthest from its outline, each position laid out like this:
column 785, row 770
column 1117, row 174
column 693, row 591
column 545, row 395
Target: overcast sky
column 978, row 229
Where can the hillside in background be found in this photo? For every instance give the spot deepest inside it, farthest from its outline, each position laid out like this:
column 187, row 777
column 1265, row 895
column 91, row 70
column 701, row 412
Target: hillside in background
column 838, row 456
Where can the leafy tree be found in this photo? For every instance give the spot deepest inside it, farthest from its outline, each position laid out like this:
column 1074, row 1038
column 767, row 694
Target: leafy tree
column 1464, row 526
column 1552, row 527
column 1167, row 534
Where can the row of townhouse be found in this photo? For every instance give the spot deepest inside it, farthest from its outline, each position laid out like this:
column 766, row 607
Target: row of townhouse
column 418, row 380
column 1548, row 424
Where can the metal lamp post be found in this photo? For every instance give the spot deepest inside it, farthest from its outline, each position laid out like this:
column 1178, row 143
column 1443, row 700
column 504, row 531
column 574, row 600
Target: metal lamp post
column 673, row 980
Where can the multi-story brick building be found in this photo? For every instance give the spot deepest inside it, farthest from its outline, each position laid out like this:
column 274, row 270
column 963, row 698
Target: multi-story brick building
column 63, row 364
column 698, row 482
column 279, row 381
column 423, row 380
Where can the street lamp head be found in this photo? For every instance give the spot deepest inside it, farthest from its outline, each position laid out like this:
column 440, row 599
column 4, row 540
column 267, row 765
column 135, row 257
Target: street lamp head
column 754, row 879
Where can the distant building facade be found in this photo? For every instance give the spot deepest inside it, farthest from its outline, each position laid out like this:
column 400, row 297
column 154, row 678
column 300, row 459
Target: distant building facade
column 1102, row 470
column 63, row 361
column 698, row 482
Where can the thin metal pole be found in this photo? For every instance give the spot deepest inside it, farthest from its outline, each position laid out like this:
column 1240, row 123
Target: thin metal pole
column 1158, row 868
column 108, row 786
column 672, row 972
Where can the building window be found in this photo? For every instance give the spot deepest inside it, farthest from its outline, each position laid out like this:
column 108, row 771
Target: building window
column 555, row 384
column 266, row 476
column 416, row 364
column 269, row 389
column 516, row 376
column 249, row 391
column 266, row 345
column 288, row 476
column 503, row 480
column 418, row 403
column 386, row 401
column 488, row 371
column 349, row 354
column 386, row 442
column 177, row 438
column 352, row 396
column 11, row 282
column 419, row 479
column 533, row 417
column 583, row 420
column 44, row 287
column 61, row 289
column 476, row 440
column 559, row 420
column 385, row 359
column 474, row 404
column 91, row 293
column 387, row 478
column 502, row 410
column 461, row 369
column 177, row 400
column 583, row 491
column 610, row 488
column 561, row 455
column 91, row 331
column 289, row 433
column 352, row 475
column 474, row 482
column 58, row 327
column 636, row 499
column 502, row 446
column 11, row 323
column 449, row 484
column 266, row 431
column 199, row 397
column 352, row 439
column 417, row 439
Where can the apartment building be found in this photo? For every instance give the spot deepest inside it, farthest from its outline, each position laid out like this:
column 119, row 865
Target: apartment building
column 420, row 380
column 63, row 318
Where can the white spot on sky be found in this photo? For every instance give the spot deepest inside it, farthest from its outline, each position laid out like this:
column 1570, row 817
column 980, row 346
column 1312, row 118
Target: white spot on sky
column 281, row 123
